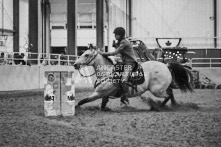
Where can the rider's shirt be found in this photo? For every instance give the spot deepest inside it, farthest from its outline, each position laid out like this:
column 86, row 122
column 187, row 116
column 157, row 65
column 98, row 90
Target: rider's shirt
column 125, row 50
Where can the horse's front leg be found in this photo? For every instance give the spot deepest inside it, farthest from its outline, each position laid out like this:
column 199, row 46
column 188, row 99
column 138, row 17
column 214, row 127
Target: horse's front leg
column 124, row 100
column 91, row 98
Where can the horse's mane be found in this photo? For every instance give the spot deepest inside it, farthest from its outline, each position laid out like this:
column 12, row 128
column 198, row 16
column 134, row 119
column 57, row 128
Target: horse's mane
column 108, row 59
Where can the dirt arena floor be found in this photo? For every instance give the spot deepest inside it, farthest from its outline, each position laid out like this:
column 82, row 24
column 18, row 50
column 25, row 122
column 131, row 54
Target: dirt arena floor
column 196, row 122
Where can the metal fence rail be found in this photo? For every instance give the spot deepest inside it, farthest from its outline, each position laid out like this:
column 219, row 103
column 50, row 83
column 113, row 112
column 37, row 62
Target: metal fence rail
column 205, row 62
column 17, row 58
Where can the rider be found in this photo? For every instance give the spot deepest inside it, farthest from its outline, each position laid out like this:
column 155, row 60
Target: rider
column 125, row 50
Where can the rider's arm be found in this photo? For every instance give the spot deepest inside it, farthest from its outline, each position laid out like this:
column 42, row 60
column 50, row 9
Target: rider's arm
column 118, row 50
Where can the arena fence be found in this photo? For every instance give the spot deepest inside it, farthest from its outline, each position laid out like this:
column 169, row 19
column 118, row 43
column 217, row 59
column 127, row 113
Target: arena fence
column 17, row 77
column 16, row 58
column 205, row 62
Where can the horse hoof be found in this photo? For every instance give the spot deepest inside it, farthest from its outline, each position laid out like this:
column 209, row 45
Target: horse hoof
column 175, row 105
column 155, row 109
column 77, row 107
column 127, row 101
column 124, row 104
column 105, row 109
column 153, row 105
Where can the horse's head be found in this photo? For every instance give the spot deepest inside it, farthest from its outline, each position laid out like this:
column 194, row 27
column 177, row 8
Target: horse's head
column 87, row 58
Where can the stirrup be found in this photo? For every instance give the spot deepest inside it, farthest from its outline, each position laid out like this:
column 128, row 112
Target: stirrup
column 123, row 86
column 128, row 84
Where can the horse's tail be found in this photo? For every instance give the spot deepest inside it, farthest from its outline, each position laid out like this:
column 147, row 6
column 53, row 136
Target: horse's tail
column 191, row 77
column 180, row 77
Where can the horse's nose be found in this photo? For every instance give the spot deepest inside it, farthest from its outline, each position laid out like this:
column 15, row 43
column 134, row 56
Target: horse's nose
column 76, row 66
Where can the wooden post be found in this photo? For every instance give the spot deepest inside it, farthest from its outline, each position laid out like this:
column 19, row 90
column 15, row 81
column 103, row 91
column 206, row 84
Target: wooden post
column 130, row 17
column 215, row 22
column 72, row 27
column 33, row 25
column 46, row 27
column 16, row 25
column 100, row 23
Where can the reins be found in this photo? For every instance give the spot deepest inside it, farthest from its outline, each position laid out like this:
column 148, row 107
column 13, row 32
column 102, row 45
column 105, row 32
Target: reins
column 86, row 65
column 84, row 75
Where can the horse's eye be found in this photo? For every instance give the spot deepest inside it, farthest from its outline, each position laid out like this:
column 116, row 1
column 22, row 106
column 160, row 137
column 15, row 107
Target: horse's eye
column 86, row 55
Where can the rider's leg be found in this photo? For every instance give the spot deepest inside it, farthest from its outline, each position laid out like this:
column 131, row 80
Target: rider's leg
column 125, row 76
column 127, row 71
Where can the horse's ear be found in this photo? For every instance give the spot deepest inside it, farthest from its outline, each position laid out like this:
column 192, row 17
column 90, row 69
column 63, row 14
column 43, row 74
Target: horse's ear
column 91, row 47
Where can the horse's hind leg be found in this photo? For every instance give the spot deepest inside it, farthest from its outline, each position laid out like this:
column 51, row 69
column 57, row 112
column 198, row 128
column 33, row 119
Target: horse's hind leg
column 164, row 102
column 104, row 102
column 170, row 96
column 173, row 102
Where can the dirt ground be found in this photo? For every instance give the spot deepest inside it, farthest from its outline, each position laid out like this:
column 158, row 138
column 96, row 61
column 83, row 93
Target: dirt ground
column 195, row 122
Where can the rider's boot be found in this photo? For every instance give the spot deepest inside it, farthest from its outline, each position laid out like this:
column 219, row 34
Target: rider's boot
column 124, row 87
column 124, row 100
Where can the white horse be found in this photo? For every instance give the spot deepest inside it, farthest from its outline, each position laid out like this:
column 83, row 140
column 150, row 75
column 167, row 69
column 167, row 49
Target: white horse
column 158, row 79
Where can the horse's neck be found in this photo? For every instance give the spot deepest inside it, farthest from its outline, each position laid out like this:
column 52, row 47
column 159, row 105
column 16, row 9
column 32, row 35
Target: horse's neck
column 102, row 67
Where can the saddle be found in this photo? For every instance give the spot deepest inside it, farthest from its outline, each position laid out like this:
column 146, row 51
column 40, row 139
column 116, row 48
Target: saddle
column 135, row 78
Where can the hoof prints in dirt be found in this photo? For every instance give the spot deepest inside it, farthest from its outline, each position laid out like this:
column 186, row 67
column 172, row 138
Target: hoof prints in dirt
column 156, row 106
column 196, row 121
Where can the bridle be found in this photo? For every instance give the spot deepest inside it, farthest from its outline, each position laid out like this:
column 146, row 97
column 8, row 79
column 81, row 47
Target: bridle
column 95, row 55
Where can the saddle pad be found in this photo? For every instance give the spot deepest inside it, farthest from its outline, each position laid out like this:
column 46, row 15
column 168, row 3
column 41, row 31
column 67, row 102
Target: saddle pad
column 137, row 77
